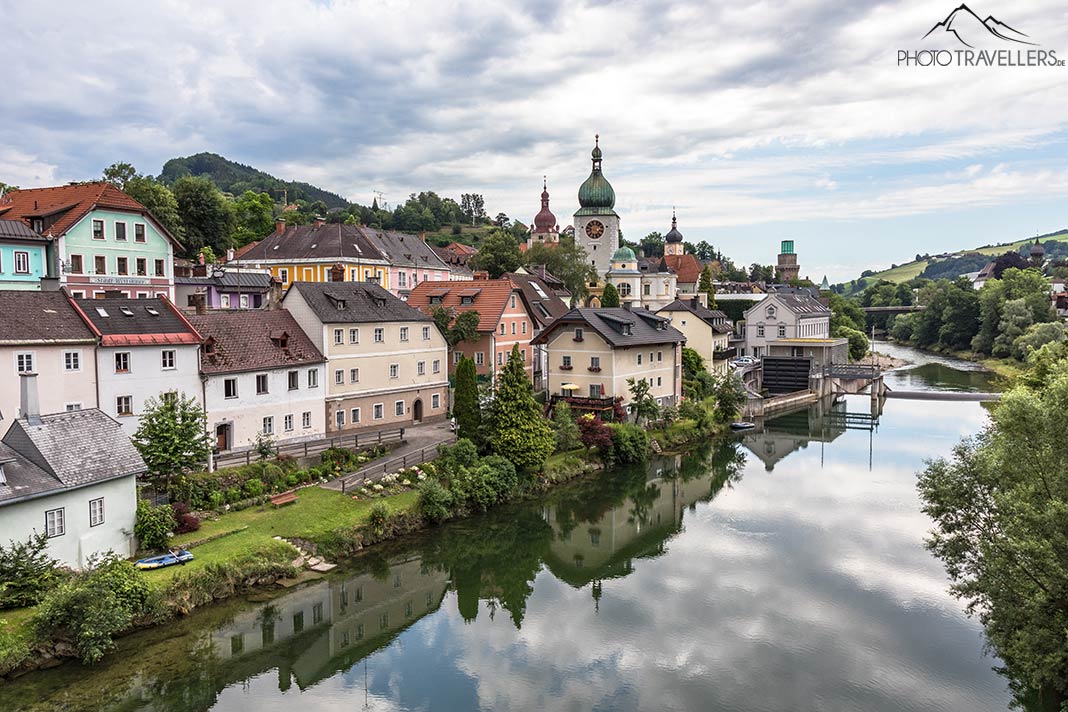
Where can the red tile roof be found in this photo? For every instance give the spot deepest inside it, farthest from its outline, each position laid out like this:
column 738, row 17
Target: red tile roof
column 73, row 202
column 242, row 250
column 687, row 268
column 251, row 340
column 490, row 300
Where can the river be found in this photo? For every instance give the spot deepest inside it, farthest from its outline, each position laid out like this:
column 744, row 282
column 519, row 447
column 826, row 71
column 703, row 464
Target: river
column 782, row 571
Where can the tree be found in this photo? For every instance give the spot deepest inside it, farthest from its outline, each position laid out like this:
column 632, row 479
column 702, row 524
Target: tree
column 1016, row 318
column 502, row 221
column 595, row 433
column 641, row 401
column 520, row 432
column 568, row 262
column 159, row 200
column 729, row 392
column 1037, row 336
column 653, row 245
column 7, row 188
column 499, row 253
column 466, row 407
column 473, row 207
column 705, row 286
column 610, row 296
column 26, row 571
column 205, row 214
column 1008, row 260
column 172, row 437
column 253, row 216
column 463, row 328
column 704, row 251
column 858, row 342
column 998, row 508
column 567, row 432
column 153, row 525
column 118, row 174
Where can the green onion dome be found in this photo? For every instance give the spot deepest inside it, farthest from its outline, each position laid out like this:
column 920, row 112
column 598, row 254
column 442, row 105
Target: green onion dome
column 596, row 191
column 624, row 254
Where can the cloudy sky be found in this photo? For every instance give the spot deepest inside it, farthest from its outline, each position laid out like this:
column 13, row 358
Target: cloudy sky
column 760, row 121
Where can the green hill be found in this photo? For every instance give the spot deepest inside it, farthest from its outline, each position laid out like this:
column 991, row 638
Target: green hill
column 911, row 270
column 236, row 178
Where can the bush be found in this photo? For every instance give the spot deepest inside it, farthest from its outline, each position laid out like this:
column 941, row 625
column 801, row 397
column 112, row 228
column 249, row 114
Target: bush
column 154, row 525
column 94, row 606
column 461, row 454
column 26, row 572
column 629, row 443
column 503, row 476
column 435, row 502
column 378, row 518
column 254, row 488
column 595, row 433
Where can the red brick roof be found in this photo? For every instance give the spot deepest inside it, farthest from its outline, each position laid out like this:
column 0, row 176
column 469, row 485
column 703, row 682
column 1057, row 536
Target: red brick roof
column 489, row 302
column 71, row 203
column 687, row 268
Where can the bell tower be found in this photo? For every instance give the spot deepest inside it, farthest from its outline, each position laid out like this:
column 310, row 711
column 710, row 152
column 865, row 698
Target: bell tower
column 596, row 221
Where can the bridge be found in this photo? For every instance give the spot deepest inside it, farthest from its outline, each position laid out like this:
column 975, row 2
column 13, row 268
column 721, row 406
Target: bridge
column 894, row 310
column 943, row 395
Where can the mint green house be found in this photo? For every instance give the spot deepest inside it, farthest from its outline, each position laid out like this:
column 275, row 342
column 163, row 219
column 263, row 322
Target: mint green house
column 104, row 240
column 25, row 256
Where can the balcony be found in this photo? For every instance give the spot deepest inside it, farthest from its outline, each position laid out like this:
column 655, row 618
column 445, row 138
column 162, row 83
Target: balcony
column 725, row 354
column 584, row 403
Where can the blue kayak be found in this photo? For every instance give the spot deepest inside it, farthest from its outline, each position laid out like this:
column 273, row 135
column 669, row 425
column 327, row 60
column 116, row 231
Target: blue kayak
column 168, row 559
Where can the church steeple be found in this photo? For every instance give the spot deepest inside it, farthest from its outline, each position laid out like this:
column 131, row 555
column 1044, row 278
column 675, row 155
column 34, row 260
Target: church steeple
column 544, row 221
column 673, row 240
column 596, row 191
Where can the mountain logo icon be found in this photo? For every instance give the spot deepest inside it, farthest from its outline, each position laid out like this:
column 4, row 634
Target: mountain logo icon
column 969, row 29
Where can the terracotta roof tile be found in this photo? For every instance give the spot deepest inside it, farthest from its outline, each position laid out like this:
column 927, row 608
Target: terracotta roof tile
column 489, row 301
column 687, row 268
column 253, row 340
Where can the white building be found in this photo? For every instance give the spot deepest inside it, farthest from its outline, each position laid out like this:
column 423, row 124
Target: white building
column 261, row 374
column 71, row 475
column 147, row 349
column 784, row 316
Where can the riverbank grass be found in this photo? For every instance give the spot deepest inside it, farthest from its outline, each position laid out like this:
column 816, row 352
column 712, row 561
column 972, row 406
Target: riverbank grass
column 237, row 534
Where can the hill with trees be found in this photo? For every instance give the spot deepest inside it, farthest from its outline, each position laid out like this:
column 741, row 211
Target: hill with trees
column 235, row 178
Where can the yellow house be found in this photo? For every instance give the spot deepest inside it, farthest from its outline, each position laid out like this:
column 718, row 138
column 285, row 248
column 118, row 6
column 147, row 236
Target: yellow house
column 707, row 331
column 319, row 252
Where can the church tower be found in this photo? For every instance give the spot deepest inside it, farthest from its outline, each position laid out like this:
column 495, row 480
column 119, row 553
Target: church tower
column 673, row 240
column 544, row 228
column 596, row 223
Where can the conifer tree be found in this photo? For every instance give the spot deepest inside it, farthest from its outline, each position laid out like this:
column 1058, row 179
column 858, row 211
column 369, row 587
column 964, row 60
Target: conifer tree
column 520, row 432
column 610, row 296
column 466, row 408
column 705, row 285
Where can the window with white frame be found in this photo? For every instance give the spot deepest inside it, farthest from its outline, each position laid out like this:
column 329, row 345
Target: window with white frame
column 782, row 331
column 124, row 405
column 261, row 384
column 230, row 388
column 760, row 330
column 161, row 268
column 55, row 523
column 659, row 381
column 122, row 362
column 420, row 368
column 22, row 262
column 305, row 419
column 435, row 401
column 480, row 358
column 524, row 327
column 96, row 512
column 243, row 301
column 24, row 362
column 394, row 370
column 639, row 359
column 339, row 376
column 287, row 422
column 355, row 415
column 141, row 265
column 398, row 407
column 595, row 362
column 437, row 365
column 565, row 361
column 224, row 301
column 426, row 333
column 380, row 335
column 294, row 380
column 98, row 229
column 339, row 418
column 402, row 279
column 404, row 333
column 513, row 328
column 354, row 336
column 354, row 375
column 72, row 360
column 71, row 407
column 659, row 356
column 379, row 409
column 283, row 274
column 456, row 355
column 167, row 360
column 139, row 232
column 313, row 378
column 268, row 425
column 120, row 231
column 500, row 358
column 502, row 328
column 339, row 336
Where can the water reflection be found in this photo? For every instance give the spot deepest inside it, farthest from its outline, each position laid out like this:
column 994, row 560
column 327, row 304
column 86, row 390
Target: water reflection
column 823, row 422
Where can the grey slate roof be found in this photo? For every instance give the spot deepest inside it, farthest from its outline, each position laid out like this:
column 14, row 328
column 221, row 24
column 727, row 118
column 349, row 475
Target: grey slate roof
column 403, row 250
column 713, row 317
column 231, row 280
column 24, row 478
column 132, row 316
column 543, row 304
column 802, row 304
column 19, row 231
column 331, row 241
column 354, row 303
column 40, row 317
column 74, row 449
column 609, row 323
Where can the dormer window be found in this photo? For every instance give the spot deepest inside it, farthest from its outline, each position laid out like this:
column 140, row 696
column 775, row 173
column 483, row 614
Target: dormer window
column 209, row 346
column 627, row 330
column 281, row 340
column 467, row 300
column 126, row 311
column 435, row 300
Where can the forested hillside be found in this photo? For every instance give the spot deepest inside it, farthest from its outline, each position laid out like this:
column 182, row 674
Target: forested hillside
column 236, row 178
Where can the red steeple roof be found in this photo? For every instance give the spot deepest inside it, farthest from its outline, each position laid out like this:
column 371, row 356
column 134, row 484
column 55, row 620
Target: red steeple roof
column 544, row 221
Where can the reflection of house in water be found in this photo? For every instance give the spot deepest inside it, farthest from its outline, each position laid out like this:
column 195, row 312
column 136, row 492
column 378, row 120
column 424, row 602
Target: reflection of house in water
column 822, row 422
column 337, row 622
column 603, row 544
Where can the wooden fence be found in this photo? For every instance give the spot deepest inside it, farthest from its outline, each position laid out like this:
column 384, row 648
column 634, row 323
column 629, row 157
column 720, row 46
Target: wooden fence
column 314, row 447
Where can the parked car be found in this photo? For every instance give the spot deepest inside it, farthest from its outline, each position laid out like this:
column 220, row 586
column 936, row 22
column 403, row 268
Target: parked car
column 742, row 361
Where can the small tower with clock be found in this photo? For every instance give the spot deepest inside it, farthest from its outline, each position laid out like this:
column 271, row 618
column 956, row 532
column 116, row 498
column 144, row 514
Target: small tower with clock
column 596, row 222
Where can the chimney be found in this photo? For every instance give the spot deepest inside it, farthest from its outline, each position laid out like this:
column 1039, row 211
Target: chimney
column 626, row 305
column 481, row 275
column 274, row 294
column 29, row 405
column 113, row 294
column 319, row 222
column 695, row 301
column 229, row 254
column 200, row 303
column 279, row 225
column 422, row 235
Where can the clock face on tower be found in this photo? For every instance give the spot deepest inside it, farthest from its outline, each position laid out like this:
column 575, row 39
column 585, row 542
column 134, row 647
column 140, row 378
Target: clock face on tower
column 594, row 229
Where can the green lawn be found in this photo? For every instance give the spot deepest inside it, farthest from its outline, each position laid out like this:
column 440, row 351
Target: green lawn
column 317, row 511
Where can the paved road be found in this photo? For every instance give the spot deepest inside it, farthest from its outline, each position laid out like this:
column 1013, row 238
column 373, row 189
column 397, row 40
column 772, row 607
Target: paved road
column 416, row 438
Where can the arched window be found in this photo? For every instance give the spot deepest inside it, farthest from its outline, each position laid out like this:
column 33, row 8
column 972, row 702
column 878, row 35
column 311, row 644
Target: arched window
column 624, row 290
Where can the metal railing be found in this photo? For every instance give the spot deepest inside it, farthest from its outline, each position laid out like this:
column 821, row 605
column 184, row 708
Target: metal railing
column 418, row 457
column 314, row 447
column 852, row 370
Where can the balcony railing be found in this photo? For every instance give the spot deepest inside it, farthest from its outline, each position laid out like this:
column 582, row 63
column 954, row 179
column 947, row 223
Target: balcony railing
column 724, row 354
column 584, row 402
